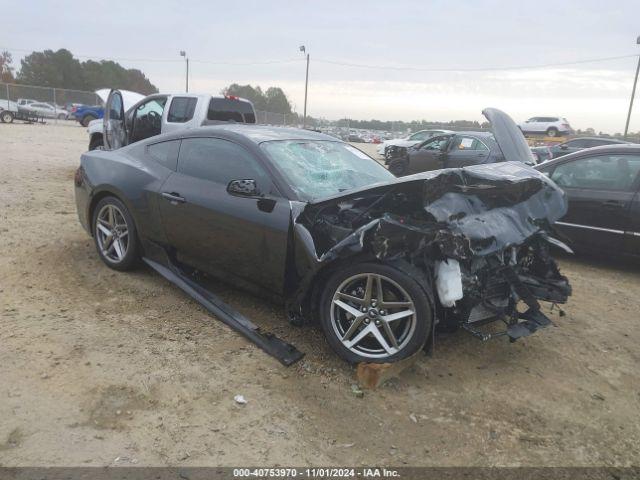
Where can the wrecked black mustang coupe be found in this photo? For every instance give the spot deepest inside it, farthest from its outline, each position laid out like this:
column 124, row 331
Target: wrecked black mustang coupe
column 377, row 261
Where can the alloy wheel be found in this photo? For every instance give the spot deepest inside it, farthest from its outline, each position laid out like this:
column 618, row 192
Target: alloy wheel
column 112, row 233
column 372, row 315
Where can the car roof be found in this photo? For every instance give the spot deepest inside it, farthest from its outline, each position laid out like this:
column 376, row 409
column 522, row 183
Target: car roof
column 625, row 148
column 444, row 130
column 256, row 133
column 475, row 134
column 607, row 139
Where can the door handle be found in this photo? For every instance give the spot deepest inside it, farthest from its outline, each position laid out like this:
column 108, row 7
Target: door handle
column 173, row 197
column 612, row 204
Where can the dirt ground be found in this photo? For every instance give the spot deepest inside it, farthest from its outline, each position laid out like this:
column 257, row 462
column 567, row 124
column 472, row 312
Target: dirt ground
column 105, row 368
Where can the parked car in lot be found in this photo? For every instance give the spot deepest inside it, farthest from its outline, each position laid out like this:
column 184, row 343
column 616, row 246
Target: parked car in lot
column 163, row 113
column 23, row 102
column 409, row 141
column 542, row 153
column 577, row 144
column 551, row 126
column 44, row 110
column 453, row 150
column 314, row 222
column 85, row 114
column 603, row 189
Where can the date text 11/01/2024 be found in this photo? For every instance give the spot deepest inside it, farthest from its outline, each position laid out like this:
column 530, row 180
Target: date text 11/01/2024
column 316, row 473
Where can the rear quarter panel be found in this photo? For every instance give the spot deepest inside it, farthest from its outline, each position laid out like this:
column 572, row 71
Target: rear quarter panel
column 129, row 176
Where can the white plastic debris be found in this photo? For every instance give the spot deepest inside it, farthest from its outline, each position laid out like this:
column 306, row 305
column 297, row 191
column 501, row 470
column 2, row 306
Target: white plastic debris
column 240, row 400
column 448, row 282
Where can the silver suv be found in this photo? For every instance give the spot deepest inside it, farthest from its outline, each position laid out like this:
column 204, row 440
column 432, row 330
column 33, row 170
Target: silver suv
column 551, row 126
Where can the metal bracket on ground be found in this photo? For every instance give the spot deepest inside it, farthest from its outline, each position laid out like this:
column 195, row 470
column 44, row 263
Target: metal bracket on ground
column 286, row 353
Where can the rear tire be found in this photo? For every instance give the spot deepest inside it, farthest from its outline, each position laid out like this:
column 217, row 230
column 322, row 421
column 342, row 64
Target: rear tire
column 86, row 119
column 552, row 132
column 6, row 117
column 62, row 116
column 115, row 234
column 374, row 335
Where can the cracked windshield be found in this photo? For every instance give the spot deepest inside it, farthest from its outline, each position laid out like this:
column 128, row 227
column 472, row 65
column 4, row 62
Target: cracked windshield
column 319, row 169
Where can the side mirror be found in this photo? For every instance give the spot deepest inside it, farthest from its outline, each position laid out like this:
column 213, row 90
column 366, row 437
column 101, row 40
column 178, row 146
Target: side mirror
column 563, row 147
column 243, row 188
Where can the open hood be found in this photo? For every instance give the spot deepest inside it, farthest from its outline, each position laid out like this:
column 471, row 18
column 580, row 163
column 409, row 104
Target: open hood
column 509, row 137
column 128, row 98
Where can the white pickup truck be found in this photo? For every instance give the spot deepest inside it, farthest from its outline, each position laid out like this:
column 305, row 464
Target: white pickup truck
column 130, row 117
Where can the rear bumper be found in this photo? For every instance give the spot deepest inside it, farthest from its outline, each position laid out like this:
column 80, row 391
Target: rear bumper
column 83, row 199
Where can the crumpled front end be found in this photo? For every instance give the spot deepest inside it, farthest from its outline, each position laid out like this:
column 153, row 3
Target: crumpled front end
column 480, row 236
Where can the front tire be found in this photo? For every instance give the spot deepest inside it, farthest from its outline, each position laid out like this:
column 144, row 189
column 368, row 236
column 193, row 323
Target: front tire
column 115, row 234
column 96, row 142
column 552, row 132
column 373, row 312
column 86, row 119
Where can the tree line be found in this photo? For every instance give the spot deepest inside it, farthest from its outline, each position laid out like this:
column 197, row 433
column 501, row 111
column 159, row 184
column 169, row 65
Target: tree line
column 60, row 69
column 273, row 99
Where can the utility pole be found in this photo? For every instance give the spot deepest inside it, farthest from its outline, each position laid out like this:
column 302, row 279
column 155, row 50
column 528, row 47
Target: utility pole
column 633, row 94
column 184, row 54
column 306, row 87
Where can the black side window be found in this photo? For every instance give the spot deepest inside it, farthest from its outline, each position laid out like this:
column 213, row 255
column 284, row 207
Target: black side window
column 181, row 109
column 165, row 153
column 220, row 161
column 231, row 110
column 604, row 172
column 434, row 143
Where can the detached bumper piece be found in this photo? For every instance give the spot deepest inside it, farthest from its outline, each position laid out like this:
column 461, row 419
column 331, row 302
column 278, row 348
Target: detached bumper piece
column 532, row 321
column 286, row 353
column 523, row 324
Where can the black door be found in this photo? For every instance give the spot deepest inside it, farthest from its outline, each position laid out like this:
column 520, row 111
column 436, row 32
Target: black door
column 241, row 239
column 632, row 235
column 600, row 191
column 429, row 155
column 465, row 150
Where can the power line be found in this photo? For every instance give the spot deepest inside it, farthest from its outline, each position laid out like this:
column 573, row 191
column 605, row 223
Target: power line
column 170, row 60
column 355, row 65
column 473, row 69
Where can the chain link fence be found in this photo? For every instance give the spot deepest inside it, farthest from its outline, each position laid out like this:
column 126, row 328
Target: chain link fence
column 44, row 102
column 281, row 119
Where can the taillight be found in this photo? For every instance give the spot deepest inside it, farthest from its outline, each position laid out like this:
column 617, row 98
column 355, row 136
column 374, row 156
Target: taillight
column 232, row 97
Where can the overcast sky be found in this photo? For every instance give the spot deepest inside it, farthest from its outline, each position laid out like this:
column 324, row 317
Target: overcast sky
column 423, row 35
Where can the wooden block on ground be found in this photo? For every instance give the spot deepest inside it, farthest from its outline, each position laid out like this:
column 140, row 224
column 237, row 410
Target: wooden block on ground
column 372, row 375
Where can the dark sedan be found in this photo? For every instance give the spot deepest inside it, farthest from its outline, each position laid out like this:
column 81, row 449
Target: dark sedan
column 315, row 223
column 454, row 150
column 577, row 144
column 602, row 186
